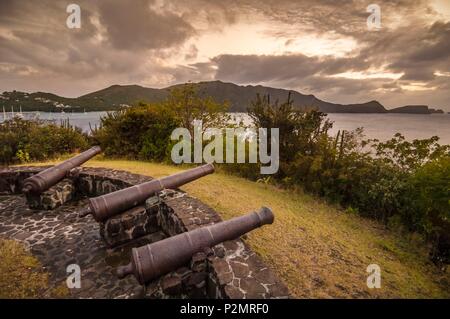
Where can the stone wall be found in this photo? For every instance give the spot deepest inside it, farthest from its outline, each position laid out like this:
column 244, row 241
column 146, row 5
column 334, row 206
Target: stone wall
column 55, row 196
column 11, row 178
column 228, row 270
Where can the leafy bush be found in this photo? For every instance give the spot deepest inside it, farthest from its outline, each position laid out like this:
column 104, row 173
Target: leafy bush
column 139, row 132
column 395, row 181
column 187, row 105
column 143, row 131
column 26, row 140
column 300, row 132
column 429, row 209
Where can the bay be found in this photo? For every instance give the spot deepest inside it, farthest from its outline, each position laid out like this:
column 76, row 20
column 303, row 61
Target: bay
column 380, row 126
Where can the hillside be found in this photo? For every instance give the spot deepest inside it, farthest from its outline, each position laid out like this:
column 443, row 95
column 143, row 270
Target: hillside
column 118, row 95
column 111, row 98
column 318, row 250
column 419, row 109
column 238, row 97
column 415, row 109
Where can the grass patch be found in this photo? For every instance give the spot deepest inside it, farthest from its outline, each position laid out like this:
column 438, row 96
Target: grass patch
column 21, row 274
column 317, row 249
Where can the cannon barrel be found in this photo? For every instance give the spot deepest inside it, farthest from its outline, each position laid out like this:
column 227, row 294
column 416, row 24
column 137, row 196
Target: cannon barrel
column 153, row 260
column 108, row 205
column 47, row 178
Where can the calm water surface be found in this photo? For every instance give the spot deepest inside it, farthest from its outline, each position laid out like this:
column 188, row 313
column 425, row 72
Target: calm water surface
column 81, row 120
column 384, row 126
column 381, row 126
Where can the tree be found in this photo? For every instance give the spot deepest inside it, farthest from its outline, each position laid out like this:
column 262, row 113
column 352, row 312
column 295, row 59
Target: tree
column 299, row 130
column 188, row 106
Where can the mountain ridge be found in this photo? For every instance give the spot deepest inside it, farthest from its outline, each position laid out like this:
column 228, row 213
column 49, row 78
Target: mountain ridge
column 238, row 97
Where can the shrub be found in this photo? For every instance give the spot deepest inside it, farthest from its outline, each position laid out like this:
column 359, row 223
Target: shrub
column 27, row 140
column 395, row 181
column 187, row 105
column 143, row 131
column 429, row 209
column 140, row 132
column 300, row 132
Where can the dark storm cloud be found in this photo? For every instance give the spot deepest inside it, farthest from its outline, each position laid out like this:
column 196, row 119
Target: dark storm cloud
column 136, row 26
column 286, row 69
column 424, row 53
column 417, row 50
column 117, row 41
column 264, row 68
column 134, row 41
column 307, row 74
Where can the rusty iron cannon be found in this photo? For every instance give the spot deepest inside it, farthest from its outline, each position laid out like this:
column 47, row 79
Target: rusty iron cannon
column 108, row 205
column 47, row 178
column 153, row 260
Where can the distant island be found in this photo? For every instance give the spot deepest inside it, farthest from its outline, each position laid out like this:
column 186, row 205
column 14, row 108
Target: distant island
column 238, row 97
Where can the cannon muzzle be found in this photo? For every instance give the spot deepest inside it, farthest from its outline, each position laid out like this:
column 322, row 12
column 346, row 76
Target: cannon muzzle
column 108, row 205
column 47, row 178
column 151, row 261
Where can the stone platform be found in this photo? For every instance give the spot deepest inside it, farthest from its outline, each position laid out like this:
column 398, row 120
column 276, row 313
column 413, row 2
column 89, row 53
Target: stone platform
column 59, row 237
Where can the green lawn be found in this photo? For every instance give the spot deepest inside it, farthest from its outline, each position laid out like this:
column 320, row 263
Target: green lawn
column 317, row 249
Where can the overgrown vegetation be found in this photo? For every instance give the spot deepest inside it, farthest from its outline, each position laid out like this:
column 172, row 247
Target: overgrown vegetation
column 401, row 183
column 23, row 141
column 143, row 131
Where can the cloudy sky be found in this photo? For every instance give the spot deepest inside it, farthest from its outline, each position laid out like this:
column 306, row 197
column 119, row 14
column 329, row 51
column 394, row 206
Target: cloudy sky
column 316, row 47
